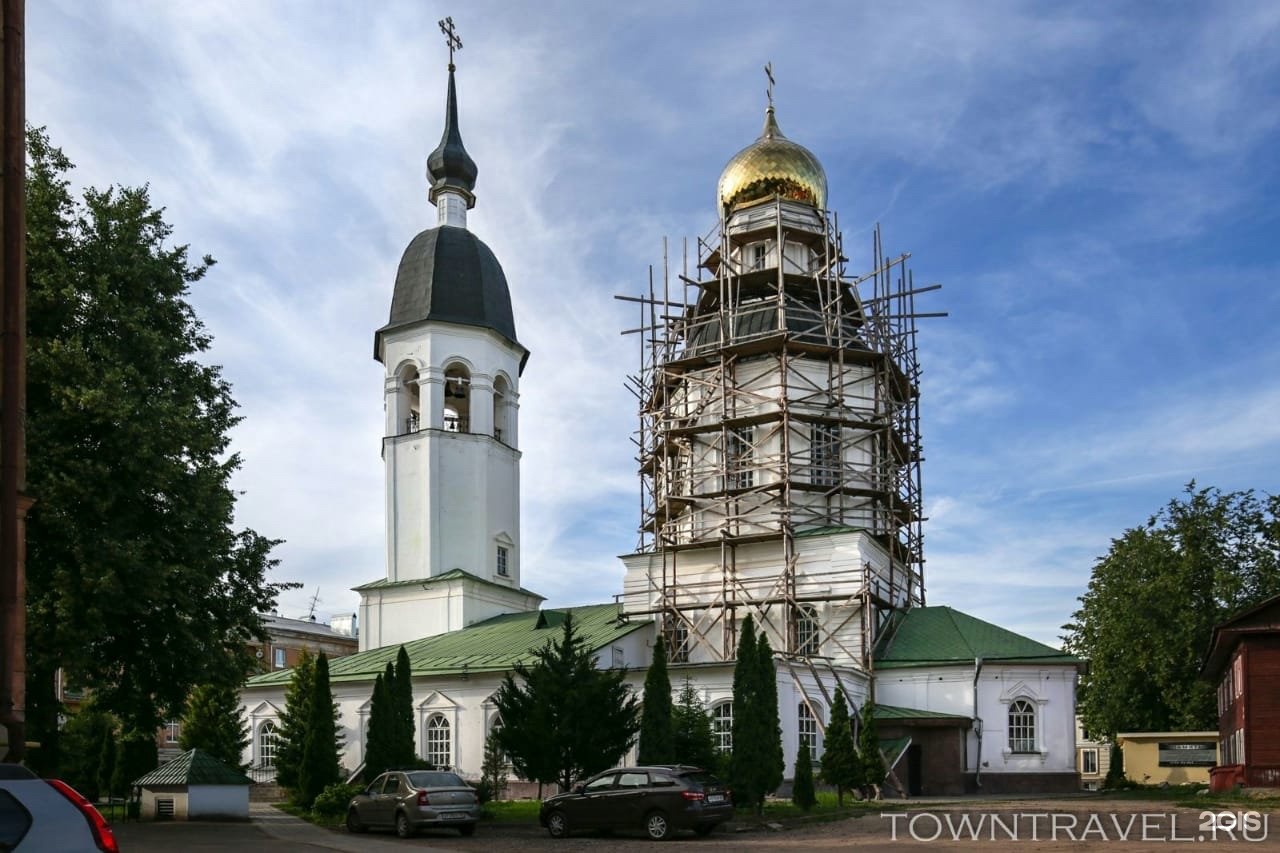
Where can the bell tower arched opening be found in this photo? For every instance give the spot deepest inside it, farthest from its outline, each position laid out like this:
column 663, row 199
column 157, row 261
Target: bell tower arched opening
column 457, row 399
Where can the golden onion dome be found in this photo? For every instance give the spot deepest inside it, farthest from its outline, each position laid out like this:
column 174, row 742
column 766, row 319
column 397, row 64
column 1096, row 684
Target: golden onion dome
column 773, row 164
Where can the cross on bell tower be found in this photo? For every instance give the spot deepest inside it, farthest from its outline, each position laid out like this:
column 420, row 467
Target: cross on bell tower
column 450, row 38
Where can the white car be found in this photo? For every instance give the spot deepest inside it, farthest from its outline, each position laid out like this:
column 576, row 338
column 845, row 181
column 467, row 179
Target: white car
column 47, row 814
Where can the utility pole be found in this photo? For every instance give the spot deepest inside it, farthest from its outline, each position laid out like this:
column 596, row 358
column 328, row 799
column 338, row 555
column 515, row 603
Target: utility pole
column 13, row 381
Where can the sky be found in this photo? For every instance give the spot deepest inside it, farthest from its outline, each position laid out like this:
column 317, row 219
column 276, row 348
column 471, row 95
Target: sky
column 1095, row 186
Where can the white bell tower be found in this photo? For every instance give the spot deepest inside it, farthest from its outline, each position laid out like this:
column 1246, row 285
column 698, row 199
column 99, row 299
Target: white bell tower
column 451, row 440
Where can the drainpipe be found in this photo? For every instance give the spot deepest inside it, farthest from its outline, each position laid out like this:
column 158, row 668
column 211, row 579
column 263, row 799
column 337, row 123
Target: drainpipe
column 977, row 724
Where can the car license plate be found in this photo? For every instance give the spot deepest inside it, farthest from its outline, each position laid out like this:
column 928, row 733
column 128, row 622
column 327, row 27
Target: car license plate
column 715, row 798
column 453, row 816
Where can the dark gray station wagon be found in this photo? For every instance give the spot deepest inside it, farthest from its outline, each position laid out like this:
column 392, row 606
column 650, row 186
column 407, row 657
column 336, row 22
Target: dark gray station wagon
column 409, row 800
column 655, row 800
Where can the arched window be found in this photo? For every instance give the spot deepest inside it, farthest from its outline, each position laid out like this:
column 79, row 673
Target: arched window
column 501, row 393
column 722, row 726
column 439, row 751
column 677, row 641
column 807, row 726
column 457, row 399
column 1022, row 726
column 267, row 740
column 806, row 630
column 408, row 402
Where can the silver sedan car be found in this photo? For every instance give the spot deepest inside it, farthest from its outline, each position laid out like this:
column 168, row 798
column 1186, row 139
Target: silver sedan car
column 409, row 800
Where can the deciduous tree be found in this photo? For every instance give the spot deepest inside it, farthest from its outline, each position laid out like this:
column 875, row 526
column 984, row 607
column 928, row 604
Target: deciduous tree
column 543, row 730
column 139, row 586
column 215, row 723
column 656, row 737
column 1146, row 618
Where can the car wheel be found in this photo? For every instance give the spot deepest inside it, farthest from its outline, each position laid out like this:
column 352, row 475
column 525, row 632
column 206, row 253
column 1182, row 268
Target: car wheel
column 656, row 826
column 404, row 827
column 704, row 829
column 467, row 830
column 558, row 825
column 353, row 822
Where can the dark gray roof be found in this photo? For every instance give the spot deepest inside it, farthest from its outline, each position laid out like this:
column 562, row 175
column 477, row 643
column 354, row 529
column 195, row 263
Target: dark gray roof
column 449, row 274
column 450, row 165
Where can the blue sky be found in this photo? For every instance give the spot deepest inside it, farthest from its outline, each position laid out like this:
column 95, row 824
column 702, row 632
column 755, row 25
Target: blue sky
column 1095, row 186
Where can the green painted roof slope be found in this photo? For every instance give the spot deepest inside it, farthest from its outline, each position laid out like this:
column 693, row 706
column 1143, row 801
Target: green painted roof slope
column 895, row 712
column 494, row 645
column 194, row 767
column 451, row 575
column 933, row 636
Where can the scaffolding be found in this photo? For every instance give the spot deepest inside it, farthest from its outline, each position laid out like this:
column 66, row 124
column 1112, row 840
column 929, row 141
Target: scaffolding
column 778, row 398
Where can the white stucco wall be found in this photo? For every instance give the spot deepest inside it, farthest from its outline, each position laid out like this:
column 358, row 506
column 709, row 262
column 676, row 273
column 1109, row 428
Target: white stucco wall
column 218, row 801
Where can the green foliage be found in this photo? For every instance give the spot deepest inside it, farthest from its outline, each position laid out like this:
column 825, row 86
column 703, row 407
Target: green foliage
column 656, row 738
column 138, row 585
column 871, row 762
column 88, row 739
column 107, row 764
column 401, row 691
column 215, row 723
column 566, row 719
column 136, row 756
column 378, row 742
column 840, row 765
column 493, row 770
column 319, row 767
column 1152, row 603
column 1115, row 772
column 332, row 802
column 293, row 721
column 692, row 740
column 756, row 765
column 802, row 788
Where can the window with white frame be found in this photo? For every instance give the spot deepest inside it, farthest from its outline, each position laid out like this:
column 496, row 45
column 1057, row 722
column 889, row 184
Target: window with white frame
column 805, row 626
column 807, row 726
column 503, row 556
column 267, row 743
column 739, row 458
column 1089, row 762
column 439, row 743
column 278, row 658
column 824, row 454
column 172, row 731
column 722, row 726
column 1022, row 726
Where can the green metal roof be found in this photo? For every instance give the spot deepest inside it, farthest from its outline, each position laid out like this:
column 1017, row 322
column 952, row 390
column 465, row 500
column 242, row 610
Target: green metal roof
column 894, row 712
column 892, row 749
column 451, row 575
column 193, row 767
column 494, row 645
column 933, row 636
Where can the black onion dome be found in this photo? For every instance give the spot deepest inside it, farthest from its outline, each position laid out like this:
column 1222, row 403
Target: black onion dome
column 449, row 274
column 450, row 165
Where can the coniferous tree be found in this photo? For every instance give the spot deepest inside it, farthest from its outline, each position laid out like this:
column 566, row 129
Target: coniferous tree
column 128, row 436
column 802, row 787
column 870, row 760
column 215, row 723
column 493, row 769
column 747, row 756
column 841, row 767
column 136, row 756
column 402, row 695
column 293, row 721
column 543, row 731
column 319, row 767
column 378, row 749
column 691, row 729
column 774, row 761
column 656, row 737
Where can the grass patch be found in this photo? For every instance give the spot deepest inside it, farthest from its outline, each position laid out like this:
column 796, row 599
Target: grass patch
column 826, row 809
column 511, row 811
column 326, row 821
column 1189, row 796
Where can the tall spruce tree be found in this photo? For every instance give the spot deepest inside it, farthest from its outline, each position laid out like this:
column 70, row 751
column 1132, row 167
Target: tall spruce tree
column 293, row 721
column 215, row 723
column 841, row 767
column 402, row 698
column 802, row 793
column 656, row 737
column 319, row 767
column 748, row 751
column 493, row 769
column 379, row 737
column 870, row 761
column 774, row 761
column 692, row 738
column 139, row 586
column 543, row 731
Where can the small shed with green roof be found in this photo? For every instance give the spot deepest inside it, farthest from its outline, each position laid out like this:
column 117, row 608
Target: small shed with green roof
column 194, row 786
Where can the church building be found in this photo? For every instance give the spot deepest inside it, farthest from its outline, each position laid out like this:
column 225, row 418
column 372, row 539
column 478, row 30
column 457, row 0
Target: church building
column 780, row 474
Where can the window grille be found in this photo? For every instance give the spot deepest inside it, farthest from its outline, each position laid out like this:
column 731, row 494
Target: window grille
column 439, row 751
column 267, row 743
column 722, row 726
column 807, row 726
column 502, row 560
column 824, row 454
column 806, row 630
column 738, row 458
column 1022, row 727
